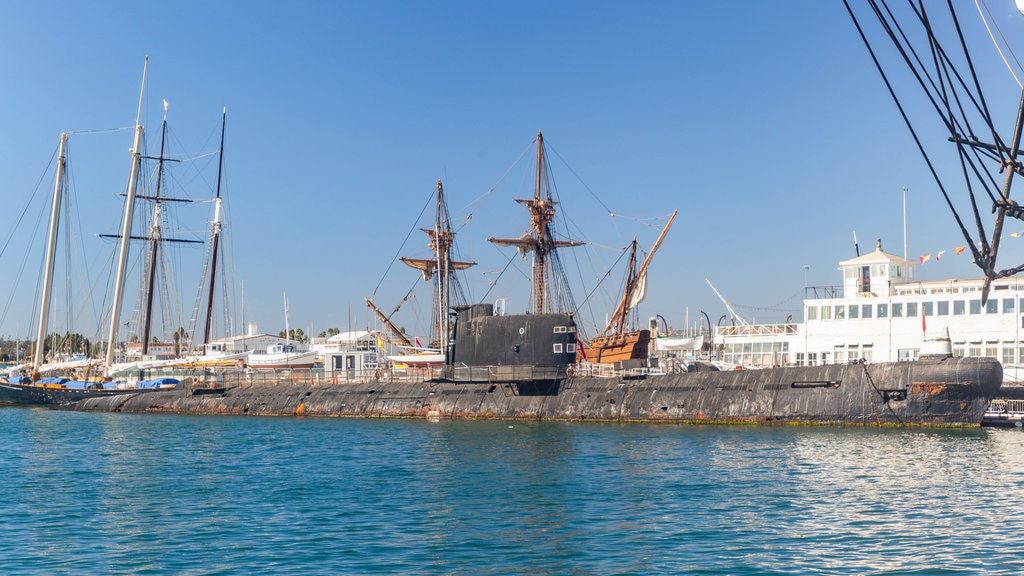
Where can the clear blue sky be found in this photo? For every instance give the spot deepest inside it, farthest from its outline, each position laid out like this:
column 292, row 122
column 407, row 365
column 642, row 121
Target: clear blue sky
column 764, row 123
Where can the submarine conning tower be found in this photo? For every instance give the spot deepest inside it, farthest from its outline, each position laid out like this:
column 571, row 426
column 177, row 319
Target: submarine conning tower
column 539, row 340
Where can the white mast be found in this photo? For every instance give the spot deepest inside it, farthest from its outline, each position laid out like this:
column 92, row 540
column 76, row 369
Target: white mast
column 51, row 251
column 126, row 225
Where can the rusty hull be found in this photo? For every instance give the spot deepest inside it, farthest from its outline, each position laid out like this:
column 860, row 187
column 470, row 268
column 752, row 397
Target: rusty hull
column 931, row 392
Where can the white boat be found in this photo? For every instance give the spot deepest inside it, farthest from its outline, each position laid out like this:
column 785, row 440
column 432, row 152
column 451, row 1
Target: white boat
column 418, row 357
column 680, row 343
column 280, row 356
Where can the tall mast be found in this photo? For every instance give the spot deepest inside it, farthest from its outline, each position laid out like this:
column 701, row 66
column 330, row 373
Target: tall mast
column 441, row 240
column 154, row 242
column 51, row 251
column 539, row 239
column 126, row 225
column 216, row 233
column 634, row 278
column 441, row 253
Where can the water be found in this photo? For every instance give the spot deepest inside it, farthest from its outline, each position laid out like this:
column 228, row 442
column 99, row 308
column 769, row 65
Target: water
column 152, row 494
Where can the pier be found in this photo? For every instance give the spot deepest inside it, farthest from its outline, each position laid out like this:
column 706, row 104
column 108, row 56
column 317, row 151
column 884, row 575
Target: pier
column 1004, row 413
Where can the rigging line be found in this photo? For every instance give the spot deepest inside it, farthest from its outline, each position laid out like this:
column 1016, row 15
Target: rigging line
column 494, row 282
column 102, row 130
column 977, row 85
column 475, row 204
column 400, row 248
column 978, row 4
column 933, row 92
column 585, row 187
column 28, row 202
column 913, row 133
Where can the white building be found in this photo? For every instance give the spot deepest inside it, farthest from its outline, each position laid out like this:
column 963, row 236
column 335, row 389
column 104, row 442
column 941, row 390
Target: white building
column 881, row 314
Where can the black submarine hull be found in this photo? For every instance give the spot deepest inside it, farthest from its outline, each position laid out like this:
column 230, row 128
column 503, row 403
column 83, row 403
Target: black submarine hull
column 935, row 391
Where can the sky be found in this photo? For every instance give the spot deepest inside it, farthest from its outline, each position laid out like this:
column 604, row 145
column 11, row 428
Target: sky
column 764, row 123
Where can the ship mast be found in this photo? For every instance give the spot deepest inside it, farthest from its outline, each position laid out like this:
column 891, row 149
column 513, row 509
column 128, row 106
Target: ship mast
column 154, row 242
column 441, row 241
column 51, row 251
column 126, row 227
column 216, row 227
column 538, row 240
column 635, row 280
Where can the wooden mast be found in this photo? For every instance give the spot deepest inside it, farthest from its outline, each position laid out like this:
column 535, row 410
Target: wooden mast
column 441, row 241
column 539, row 239
column 624, row 305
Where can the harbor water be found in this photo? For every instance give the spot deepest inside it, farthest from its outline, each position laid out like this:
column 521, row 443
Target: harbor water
column 91, row 493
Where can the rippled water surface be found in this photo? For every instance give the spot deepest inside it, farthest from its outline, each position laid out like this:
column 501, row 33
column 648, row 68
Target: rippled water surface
column 118, row 493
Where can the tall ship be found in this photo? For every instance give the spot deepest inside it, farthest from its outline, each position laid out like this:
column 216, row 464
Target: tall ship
column 526, row 366
column 61, row 380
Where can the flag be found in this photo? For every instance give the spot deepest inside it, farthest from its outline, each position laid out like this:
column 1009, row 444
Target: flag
column 939, row 255
column 417, row 341
column 581, row 349
column 923, row 327
column 926, row 258
column 959, row 250
column 1015, row 235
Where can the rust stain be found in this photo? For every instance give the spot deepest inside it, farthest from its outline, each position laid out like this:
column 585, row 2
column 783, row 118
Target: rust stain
column 928, row 388
column 300, row 409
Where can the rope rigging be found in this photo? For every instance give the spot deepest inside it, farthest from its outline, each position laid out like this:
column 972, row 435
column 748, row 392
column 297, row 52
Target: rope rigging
column 958, row 100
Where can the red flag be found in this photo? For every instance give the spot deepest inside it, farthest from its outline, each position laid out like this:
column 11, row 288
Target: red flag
column 923, row 328
column 581, row 349
column 960, row 250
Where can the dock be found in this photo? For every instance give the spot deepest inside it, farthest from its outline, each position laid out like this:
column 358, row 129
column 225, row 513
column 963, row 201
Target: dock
column 1004, row 413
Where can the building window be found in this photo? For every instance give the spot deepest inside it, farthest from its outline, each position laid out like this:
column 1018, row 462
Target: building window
column 1008, row 307
column 854, row 309
column 911, row 309
column 959, row 308
column 883, row 310
column 943, row 308
column 865, row 311
column 992, row 306
column 558, row 348
column 975, row 306
column 570, row 347
column 840, row 312
column 906, row 354
column 974, row 349
column 812, row 312
column 826, row 312
column 897, row 310
column 1007, row 354
column 928, row 308
column 991, row 350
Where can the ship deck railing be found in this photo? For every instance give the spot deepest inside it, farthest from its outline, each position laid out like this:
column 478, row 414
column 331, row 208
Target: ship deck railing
column 757, row 330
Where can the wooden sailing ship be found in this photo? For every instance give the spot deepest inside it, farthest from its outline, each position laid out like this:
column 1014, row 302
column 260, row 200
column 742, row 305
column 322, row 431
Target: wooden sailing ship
column 616, row 343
